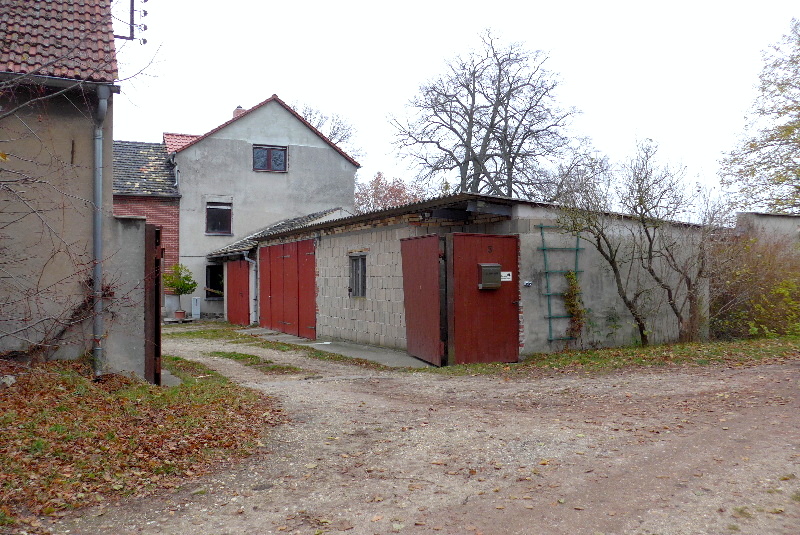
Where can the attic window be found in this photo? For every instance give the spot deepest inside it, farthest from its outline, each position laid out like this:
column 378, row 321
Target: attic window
column 267, row 158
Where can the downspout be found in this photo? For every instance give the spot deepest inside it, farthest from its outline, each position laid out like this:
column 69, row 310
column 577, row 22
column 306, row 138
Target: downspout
column 103, row 94
column 255, row 282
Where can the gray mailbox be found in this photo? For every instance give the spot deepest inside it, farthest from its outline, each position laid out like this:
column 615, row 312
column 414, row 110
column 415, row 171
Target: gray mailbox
column 488, row 276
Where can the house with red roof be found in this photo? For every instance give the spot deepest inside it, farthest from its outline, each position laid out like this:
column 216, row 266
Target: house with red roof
column 264, row 165
column 72, row 276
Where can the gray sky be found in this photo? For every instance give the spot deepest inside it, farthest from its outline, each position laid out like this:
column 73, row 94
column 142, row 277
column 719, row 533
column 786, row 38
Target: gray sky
column 682, row 73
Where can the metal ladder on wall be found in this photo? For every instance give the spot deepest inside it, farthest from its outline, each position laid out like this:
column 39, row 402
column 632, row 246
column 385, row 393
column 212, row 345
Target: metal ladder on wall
column 547, row 279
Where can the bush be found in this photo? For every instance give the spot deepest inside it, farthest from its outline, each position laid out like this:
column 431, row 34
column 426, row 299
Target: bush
column 758, row 292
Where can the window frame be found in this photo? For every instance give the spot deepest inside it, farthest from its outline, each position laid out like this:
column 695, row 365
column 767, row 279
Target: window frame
column 220, row 206
column 270, row 149
column 357, row 267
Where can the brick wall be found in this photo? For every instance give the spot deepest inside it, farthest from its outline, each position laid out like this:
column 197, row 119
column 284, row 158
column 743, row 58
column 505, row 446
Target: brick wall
column 158, row 211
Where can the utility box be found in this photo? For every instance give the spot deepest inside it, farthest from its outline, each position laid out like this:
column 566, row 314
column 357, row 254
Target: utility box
column 489, row 276
column 196, row 307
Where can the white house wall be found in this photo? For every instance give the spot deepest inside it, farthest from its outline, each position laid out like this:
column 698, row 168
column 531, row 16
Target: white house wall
column 220, row 168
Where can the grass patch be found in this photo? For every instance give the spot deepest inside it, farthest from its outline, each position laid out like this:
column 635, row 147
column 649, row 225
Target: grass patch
column 737, row 353
column 254, row 361
column 67, row 441
column 741, row 512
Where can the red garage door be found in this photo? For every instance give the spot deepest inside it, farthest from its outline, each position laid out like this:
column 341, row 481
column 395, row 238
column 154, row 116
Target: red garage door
column 287, row 283
column 237, row 292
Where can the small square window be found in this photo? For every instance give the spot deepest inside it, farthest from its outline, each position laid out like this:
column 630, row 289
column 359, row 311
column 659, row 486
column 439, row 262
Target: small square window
column 215, row 281
column 269, row 158
column 358, row 276
column 218, row 217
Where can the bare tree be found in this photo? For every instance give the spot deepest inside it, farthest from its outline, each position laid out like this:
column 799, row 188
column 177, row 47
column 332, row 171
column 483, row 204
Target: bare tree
column 490, row 123
column 333, row 126
column 650, row 234
column 588, row 211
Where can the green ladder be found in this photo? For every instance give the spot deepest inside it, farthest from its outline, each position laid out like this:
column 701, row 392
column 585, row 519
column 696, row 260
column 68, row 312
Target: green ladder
column 547, row 274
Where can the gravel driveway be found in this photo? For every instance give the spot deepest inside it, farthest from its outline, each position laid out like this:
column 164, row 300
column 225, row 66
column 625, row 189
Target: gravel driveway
column 674, row 451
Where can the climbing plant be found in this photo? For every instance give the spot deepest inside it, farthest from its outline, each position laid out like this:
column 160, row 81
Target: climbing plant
column 573, row 303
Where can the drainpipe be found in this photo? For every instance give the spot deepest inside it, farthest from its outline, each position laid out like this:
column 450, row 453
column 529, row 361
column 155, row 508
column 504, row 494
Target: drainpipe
column 103, row 94
column 255, row 283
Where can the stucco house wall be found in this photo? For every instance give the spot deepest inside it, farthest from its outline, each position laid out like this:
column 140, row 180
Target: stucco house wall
column 47, row 241
column 219, row 168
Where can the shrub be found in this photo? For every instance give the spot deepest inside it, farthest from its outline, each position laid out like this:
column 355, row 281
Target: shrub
column 757, row 292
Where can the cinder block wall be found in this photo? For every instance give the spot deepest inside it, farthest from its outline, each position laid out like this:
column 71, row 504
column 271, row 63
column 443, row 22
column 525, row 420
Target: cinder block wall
column 378, row 318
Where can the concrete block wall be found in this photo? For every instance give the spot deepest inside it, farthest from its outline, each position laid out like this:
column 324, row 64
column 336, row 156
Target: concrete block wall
column 378, row 318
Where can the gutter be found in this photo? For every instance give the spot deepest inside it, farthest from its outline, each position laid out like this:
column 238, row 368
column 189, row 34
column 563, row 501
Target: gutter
column 98, row 328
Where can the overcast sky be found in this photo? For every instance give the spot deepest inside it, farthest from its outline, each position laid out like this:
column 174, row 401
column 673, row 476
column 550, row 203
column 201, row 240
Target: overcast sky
column 682, row 73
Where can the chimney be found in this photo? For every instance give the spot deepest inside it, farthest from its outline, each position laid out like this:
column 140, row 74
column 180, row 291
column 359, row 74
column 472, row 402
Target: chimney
column 238, row 111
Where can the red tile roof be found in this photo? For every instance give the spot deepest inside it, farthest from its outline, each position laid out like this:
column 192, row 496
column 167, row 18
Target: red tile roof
column 273, row 98
column 176, row 142
column 71, row 39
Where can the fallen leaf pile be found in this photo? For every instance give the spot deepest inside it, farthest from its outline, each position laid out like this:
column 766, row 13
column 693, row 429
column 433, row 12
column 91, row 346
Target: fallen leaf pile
column 67, row 441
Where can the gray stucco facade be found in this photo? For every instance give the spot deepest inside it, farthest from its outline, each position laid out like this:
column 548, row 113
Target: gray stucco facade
column 219, row 168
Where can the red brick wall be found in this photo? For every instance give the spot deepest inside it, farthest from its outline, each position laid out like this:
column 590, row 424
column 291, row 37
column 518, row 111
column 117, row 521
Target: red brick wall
column 157, row 211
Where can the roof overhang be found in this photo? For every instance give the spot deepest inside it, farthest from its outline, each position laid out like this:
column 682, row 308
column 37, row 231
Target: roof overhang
column 59, row 83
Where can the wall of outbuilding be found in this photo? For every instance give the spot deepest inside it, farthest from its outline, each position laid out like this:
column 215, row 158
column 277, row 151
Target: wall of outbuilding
column 379, row 317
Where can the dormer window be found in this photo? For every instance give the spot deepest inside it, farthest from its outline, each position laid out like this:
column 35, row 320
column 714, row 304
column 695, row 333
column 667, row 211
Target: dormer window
column 268, row 158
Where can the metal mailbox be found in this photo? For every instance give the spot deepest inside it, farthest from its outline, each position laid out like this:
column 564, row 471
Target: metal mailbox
column 489, row 276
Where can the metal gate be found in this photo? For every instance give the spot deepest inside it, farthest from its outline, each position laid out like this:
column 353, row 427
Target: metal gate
column 237, row 292
column 423, row 288
column 153, row 253
column 287, row 282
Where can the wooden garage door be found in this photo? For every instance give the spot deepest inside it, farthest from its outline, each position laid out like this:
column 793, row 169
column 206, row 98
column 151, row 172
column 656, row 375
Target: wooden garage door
column 288, row 288
column 422, row 288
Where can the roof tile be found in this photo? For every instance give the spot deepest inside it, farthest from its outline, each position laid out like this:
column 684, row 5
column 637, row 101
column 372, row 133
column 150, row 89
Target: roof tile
column 176, row 142
column 39, row 38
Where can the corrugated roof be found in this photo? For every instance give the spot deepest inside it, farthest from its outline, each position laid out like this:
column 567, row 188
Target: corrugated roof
column 273, row 98
column 176, row 142
column 286, row 225
column 143, row 169
column 71, row 39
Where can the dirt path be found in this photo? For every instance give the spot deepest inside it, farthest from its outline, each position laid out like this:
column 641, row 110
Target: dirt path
column 679, row 451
